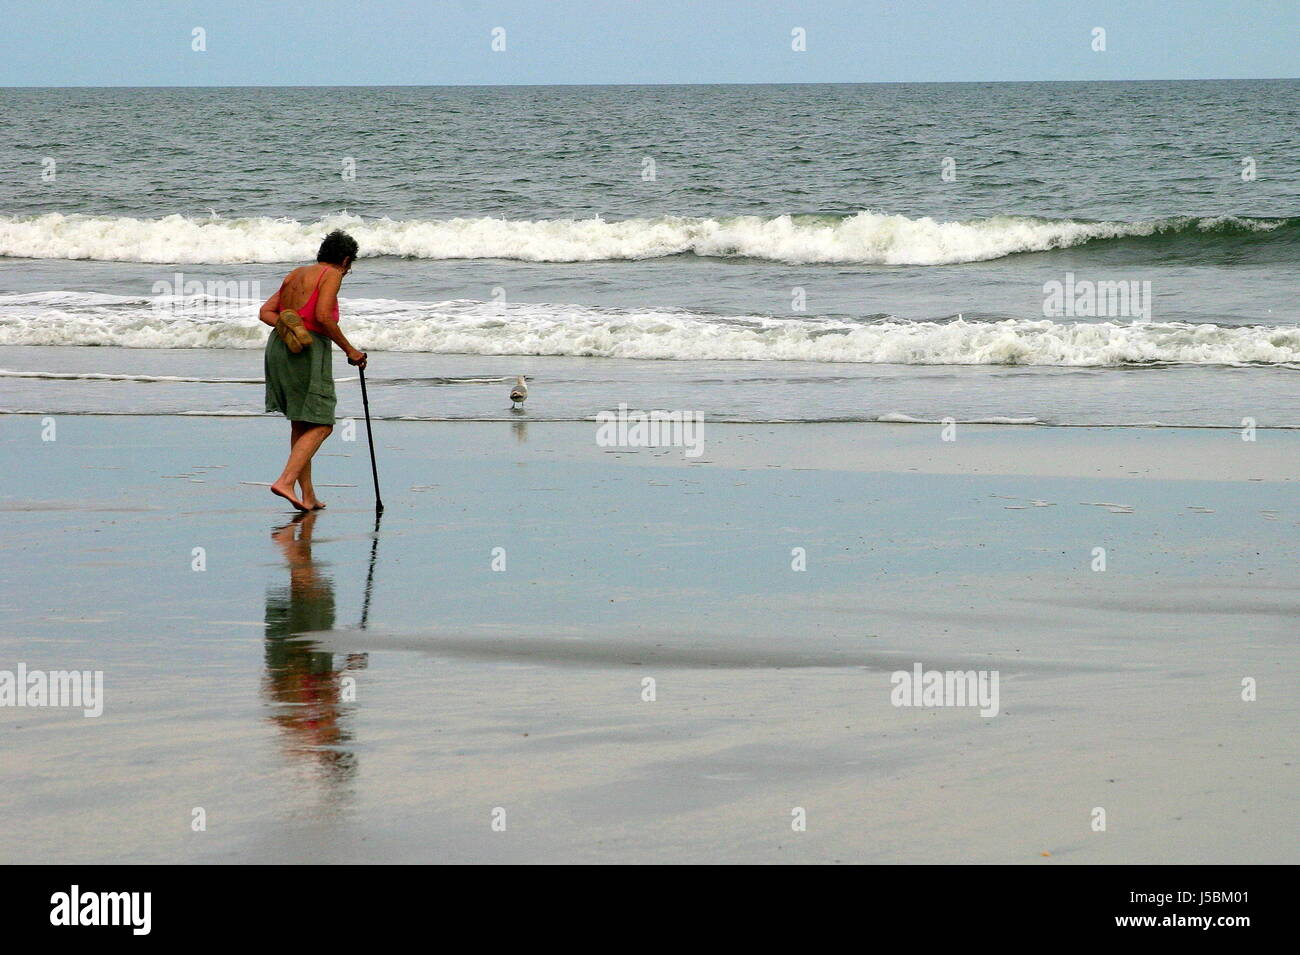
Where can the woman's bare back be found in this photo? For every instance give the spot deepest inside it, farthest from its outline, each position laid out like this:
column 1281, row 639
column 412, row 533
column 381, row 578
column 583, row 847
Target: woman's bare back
column 299, row 284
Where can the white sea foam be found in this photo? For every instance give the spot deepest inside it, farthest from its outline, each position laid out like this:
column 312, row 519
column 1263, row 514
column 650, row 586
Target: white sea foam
column 866, row 238
column 900, row 418
column 478, row 328
column 145, row 379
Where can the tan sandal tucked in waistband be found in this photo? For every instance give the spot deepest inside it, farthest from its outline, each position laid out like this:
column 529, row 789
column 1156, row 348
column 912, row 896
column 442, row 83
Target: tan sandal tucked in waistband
column 292, row 331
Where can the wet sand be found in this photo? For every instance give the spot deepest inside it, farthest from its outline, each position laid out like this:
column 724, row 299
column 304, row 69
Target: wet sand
column 252, row 690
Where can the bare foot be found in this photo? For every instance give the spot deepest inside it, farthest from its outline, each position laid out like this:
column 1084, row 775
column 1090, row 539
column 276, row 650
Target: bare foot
column 287, row 494
column 312, row 501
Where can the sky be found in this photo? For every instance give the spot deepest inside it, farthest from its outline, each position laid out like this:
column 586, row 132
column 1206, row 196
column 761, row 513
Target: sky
column 449, row 42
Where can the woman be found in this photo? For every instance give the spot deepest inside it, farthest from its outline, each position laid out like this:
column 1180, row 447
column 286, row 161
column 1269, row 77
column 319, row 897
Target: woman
column 301, row 385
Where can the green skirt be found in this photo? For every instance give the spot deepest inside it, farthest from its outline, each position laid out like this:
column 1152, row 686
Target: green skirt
column 301, row 386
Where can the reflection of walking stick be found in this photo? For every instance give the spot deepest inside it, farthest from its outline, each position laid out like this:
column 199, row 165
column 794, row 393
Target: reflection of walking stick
column 365, row 402
column 370, row 575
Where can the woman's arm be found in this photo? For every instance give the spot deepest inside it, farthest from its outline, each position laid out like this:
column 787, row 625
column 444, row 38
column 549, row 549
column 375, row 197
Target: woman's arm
column 269, row 313
column 335, row 334
column 325, row 304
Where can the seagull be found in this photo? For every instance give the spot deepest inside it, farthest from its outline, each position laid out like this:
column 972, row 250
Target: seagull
column 519, row 393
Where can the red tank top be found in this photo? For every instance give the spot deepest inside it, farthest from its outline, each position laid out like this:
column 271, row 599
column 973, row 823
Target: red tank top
column 308, row 310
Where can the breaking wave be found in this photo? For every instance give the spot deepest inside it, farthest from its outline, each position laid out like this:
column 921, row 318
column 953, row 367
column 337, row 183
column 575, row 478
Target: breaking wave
column 867, row 238
column 478, row 328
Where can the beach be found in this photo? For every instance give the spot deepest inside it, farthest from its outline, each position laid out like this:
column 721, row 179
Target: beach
column 969, row 535
column 466, row 683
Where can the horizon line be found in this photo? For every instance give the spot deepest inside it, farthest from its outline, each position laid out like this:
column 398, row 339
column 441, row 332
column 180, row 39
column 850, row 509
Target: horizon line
column 270, row 86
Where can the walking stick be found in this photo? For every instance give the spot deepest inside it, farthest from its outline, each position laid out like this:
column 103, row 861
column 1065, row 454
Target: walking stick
column 370, row 437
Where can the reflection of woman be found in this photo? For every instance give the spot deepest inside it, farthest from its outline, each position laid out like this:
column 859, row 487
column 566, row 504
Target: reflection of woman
column 301, row 680
column 300, row 384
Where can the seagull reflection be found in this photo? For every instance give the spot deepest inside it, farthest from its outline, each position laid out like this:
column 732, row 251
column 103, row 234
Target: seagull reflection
column 306, row 692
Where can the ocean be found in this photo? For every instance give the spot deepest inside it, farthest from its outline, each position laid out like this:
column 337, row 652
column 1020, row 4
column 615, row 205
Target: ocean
column 1020, row 253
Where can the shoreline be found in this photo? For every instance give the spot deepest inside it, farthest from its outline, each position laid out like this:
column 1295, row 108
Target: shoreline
column 516, row 419
column 522, row 688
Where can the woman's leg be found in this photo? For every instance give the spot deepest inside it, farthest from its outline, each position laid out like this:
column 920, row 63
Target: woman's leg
column 306, row 493
column 305, row 440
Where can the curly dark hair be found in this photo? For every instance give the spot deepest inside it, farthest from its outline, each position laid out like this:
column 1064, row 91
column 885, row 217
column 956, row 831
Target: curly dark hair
column 338, row 245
